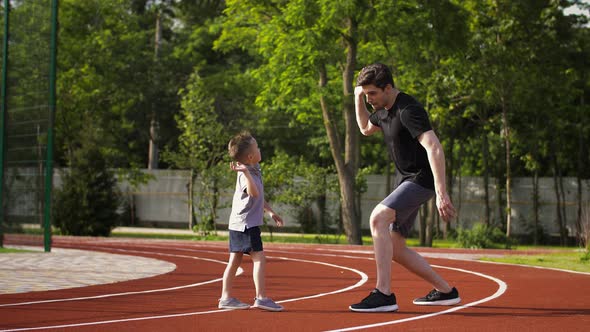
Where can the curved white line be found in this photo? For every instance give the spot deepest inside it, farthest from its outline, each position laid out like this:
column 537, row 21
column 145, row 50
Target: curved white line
column 238, row 272
column 502, row 287
column 363, row 280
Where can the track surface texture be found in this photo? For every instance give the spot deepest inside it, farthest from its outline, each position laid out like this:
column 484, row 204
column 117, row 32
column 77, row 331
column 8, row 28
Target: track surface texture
column 315, row 284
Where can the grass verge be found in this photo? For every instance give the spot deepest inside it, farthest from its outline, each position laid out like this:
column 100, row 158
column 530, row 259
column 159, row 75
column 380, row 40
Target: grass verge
column 574, row 260
column 11, row 250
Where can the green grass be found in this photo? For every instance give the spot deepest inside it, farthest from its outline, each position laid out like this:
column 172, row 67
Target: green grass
column 574, row 260
column 281, row 238
column 275, row 238
column 10, row 250
column 192, row 237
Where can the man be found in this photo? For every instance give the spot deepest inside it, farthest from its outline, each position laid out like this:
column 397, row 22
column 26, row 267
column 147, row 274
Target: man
column 420, row 170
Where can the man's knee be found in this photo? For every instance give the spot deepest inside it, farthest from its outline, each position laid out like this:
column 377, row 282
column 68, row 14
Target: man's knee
column 381, row 216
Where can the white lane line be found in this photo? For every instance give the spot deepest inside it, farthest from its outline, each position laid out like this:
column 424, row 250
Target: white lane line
column 502, row 287
column 238, row 272
column 363, row 280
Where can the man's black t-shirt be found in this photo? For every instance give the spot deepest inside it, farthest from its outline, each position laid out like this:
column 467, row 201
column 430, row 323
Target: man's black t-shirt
column 401, row 125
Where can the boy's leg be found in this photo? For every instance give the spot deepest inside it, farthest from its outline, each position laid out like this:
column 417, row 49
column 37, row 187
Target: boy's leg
column 235, row 259
column 258, row 273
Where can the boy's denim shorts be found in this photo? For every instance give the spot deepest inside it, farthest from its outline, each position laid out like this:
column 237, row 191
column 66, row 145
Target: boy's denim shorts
column 247, row 241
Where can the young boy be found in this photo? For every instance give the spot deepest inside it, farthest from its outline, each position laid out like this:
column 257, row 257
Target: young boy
column 246, row 216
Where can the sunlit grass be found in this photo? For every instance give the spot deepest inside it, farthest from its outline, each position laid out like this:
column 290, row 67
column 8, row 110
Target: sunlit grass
column 574, row 260
column 11, row 250
column 280, row 238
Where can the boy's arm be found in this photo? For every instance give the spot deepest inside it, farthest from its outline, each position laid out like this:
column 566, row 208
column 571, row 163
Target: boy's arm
column 278, row 220
column 251, row 188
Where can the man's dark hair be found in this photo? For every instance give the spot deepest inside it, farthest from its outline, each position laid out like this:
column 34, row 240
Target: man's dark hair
column 239, row 144
column 377, row 74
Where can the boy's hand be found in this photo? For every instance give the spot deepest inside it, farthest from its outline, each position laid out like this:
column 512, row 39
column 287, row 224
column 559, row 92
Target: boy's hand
column 278, row 220
column 238, row 167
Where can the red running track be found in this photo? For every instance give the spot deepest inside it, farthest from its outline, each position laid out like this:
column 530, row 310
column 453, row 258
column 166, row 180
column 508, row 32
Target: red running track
column 315, row 284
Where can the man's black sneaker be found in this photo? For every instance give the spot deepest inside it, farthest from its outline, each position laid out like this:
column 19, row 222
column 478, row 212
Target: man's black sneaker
column 376, row 302
column 438, row 298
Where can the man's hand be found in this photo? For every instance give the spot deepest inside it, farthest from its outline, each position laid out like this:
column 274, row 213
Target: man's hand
column 358, row 92
column 445, row 207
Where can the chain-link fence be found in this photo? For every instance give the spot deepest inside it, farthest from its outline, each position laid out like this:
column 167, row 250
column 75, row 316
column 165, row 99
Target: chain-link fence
column 29, row 30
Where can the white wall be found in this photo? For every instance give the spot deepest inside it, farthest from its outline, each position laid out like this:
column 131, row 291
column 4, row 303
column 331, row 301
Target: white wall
column 165, row 200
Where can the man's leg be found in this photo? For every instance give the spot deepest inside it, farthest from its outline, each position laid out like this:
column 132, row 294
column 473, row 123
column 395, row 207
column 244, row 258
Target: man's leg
column 415, row 263
column 380, row 299
column 380, row 219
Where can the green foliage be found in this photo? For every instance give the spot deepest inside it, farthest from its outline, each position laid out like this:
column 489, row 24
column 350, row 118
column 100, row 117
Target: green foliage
column 482, row 236
column 210, row 185
column 88, row 200
column 204, row 121
column 255, row 64
column 293, row 181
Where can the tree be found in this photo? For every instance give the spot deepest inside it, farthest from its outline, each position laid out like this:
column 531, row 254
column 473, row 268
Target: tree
column 203, row 122
column 301, row 42
column 87, row 202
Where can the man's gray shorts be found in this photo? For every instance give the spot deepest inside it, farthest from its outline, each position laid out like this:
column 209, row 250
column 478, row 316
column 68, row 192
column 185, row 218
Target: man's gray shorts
column 406, row 200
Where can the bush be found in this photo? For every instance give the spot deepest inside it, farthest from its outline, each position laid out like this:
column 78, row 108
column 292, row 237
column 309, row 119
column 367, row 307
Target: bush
column 87, row 203
column 482, row 236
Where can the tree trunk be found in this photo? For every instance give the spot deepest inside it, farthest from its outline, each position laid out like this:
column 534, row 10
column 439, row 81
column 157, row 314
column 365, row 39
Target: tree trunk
column 154, row 153
column 556, row 176
column 486, row 178
column 579, row 214
column 500, row 198
column 322, row 204
column 582, row 223
column 506, row 126
column 536, row 207
column 346, row 174
column 564, row 231
column 352, row 134
column 451, row 182
column 191, row 196
column 460, row 185
column 430, row 221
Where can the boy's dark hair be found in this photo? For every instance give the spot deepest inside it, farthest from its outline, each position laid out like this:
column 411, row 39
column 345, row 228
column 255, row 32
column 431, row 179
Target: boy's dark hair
column 377, row 74
column 239, row 144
